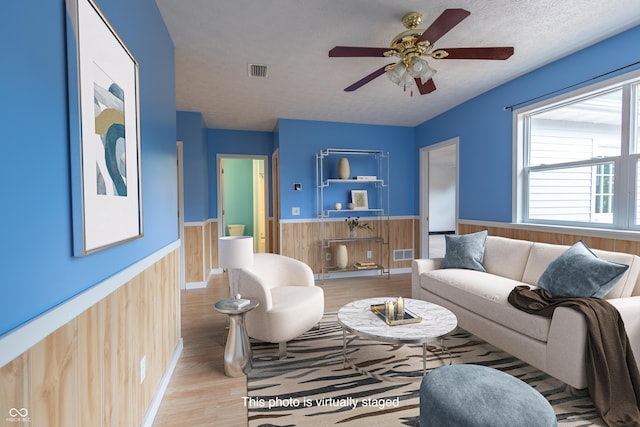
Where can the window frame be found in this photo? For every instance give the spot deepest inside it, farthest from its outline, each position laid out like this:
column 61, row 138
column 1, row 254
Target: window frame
column 626, row 200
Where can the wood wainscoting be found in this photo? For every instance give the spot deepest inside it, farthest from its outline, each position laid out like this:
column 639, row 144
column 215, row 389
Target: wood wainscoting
column 559, row 238
column 200, row 250
column 87, row 372
column 300, row 240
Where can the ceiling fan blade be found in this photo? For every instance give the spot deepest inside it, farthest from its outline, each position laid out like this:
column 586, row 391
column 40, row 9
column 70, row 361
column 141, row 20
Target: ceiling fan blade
column 443, row 24
column 354, row 51
column 428, row 87
column 363, row 81
column 479, row 52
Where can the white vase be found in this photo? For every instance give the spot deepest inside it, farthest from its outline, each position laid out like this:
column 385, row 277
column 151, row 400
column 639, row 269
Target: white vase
column 343, row 168
column 342, row 257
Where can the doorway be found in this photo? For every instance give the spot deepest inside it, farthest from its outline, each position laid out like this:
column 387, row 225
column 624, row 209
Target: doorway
column 438, row 195
column 242, row 198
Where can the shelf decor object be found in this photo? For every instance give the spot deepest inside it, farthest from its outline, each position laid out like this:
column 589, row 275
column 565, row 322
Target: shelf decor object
column 104, row 129
column 342, row 257
column 360, row 199
column 344, row 171
column 380, row 310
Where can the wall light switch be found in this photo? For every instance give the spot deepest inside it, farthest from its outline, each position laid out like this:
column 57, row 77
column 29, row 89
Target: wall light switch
column 297, row 186
column 295, row 211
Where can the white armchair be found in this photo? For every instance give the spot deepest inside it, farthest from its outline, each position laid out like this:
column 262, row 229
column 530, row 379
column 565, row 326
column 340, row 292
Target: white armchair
column 290, row 303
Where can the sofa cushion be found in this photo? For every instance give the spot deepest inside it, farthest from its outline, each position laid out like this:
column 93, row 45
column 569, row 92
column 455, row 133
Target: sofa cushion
column 540, row 257
column 542, row 254
column 579, row 273
column 506, row 257
column 486, row 295
column 466, row 251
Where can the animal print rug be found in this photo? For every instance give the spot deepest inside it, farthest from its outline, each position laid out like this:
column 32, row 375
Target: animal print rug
column 380, row 383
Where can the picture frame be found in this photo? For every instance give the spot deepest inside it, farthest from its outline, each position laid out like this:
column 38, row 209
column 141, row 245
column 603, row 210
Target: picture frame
column 104, row 131
column 360, row 199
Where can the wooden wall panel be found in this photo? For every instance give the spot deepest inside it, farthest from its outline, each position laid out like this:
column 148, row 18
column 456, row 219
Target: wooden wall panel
column 53, row 379
column 401, row 237
column 608, row 244
column 301, row 240
column 193, row 253
column 87, row 372
column 90, row 366
column 14, row 386
column 214, row 245
column 207, row 249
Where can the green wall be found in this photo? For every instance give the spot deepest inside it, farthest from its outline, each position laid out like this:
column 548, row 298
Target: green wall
column 238, row 193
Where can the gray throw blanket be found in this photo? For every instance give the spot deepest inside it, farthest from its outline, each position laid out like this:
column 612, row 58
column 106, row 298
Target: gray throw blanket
column 612, row 374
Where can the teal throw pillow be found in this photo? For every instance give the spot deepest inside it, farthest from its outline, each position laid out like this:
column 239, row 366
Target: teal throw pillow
column 465, row 251
column 578, row 272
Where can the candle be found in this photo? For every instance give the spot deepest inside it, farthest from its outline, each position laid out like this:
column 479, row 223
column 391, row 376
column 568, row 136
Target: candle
column 400, row 308
column 390, row 310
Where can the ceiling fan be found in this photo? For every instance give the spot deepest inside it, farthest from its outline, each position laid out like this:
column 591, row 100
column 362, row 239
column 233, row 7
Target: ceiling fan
column 412, row 46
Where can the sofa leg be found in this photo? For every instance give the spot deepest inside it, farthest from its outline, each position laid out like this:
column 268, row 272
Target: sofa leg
column 579, row 392
column 282, row 350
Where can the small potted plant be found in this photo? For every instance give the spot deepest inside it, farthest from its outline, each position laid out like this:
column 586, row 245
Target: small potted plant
column 354, row 225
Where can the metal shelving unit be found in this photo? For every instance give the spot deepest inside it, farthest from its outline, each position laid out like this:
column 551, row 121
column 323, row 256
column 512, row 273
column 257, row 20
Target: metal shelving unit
column 330, row 189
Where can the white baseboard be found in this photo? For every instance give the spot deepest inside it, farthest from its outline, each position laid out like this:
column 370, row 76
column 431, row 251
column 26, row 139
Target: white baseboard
column 195, row 285
column 152, row 410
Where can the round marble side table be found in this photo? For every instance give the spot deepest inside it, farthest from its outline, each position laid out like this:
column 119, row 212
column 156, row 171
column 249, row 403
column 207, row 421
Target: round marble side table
column 237, row 351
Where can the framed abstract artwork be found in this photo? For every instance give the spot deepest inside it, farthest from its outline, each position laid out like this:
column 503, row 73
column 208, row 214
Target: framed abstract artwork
column 104, row 132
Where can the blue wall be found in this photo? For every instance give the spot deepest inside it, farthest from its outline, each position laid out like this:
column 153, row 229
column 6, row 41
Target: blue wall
column 485, row 127
column 38, row 270
column 301, row 140
column 192, row 133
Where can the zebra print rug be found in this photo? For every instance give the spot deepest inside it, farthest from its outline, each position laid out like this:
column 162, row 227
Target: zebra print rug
column 380, row 383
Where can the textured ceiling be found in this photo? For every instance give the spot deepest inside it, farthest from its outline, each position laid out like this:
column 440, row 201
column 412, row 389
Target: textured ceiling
column 215, row 40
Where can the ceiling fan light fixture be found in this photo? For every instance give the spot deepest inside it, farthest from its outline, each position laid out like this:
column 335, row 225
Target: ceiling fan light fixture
column 416, row 66
column 397, row 72
column 427, row 73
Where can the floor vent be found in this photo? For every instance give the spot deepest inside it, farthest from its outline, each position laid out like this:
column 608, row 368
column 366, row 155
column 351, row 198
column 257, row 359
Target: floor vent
column 257, row 70
column 402, row 254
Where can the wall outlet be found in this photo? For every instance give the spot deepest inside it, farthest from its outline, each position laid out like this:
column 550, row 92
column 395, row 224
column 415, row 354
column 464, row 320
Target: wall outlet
column 369, row 254
column 143, row 369
column 295, row 211
column 327, row 256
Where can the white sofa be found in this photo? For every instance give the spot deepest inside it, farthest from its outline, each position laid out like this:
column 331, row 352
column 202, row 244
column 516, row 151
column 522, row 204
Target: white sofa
column 479, row 300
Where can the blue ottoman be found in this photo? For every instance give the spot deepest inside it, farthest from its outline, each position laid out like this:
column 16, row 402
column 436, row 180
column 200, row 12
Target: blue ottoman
column 474, row 395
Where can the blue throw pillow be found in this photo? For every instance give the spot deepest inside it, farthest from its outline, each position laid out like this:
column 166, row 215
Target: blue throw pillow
column 465, row 251
column 578, row 272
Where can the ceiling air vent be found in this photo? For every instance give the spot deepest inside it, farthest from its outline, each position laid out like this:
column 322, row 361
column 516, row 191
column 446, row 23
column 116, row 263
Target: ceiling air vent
column 257, row 70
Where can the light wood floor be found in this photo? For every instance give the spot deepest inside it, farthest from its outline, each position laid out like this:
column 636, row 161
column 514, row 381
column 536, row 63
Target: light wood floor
column 199, row 393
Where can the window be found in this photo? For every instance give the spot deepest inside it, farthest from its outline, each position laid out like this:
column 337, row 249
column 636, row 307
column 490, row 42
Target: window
column 579, row 158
